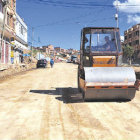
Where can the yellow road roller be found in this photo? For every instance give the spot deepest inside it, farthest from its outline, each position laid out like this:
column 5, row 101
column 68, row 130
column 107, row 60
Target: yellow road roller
column 101, row 75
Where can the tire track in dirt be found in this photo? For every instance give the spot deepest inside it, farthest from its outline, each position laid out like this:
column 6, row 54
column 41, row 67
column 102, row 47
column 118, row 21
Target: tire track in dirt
column 62, row 122
column 45, row 119
column 74, row 128
column 45, row 127
column 80, row 123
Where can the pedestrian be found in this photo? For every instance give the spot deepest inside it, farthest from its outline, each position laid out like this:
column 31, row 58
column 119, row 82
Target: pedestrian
column 51, row 63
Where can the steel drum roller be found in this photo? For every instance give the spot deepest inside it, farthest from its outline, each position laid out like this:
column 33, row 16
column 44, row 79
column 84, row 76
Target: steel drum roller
column 109, row 76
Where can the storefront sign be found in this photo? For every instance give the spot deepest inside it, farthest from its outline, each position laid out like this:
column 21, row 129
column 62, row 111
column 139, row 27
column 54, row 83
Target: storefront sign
column 12, row 54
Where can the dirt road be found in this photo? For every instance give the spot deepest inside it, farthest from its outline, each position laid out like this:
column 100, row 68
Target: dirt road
column 44, row 104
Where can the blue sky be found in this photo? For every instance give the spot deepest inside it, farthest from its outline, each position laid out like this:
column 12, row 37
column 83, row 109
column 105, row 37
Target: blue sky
column 60, row 25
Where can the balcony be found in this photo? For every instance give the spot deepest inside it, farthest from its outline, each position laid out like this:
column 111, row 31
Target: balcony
column 1, row 17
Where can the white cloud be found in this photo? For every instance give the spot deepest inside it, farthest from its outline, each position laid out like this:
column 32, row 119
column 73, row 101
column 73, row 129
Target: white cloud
column 129, row 6
column 132, row 7
column 133, row 19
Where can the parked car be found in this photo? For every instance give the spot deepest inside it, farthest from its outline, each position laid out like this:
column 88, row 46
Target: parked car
column 42, row 63
column 74, row 59
column 68, row 60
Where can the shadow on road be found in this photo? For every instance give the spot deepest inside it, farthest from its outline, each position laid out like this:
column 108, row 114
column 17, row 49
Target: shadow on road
column 71, row 95
column 66, row 95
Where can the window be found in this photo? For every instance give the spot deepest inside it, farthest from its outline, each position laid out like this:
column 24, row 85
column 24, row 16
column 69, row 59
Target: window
column 137, row 42
column 1, row 7
column 13, row 24
column 99, row 41
column 8, row 19
column 19, row 28
column 130, row 35
column 137, row 33
column 22, row 30
column 125, row 37
column 87, row 42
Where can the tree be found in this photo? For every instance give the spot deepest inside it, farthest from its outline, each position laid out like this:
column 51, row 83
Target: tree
column 128, row 52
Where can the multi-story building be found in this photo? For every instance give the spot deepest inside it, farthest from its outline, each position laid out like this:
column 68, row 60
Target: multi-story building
column 21, row 41
column 45, row 49
column 49, row 50
column 132, row 38
column 7, row 28
column 57, row 49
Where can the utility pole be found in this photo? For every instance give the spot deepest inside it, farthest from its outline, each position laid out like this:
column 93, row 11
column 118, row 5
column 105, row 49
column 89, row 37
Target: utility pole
column 139, row 39
column 32, row 43
column 116, row 15
column 5, row 4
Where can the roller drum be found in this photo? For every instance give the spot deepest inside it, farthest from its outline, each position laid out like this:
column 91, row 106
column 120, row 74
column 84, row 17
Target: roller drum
column 109, row 76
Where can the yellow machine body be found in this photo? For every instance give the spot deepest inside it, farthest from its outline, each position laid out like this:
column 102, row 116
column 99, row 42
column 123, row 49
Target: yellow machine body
column 104, row 61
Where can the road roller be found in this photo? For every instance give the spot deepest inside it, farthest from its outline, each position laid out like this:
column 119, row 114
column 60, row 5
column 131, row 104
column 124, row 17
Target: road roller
column 101, row 75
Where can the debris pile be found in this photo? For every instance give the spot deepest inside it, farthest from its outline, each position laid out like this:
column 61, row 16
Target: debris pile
column 15, row 69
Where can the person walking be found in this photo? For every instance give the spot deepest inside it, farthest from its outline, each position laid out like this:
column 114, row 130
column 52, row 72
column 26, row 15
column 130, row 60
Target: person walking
column 51, row 63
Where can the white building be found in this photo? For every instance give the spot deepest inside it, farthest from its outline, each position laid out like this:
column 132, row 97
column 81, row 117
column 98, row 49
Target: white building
column 21, row 40
column 21, row 29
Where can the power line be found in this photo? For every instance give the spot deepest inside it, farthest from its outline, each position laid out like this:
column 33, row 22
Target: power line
column 70, row 19
column 70, row 4
column 78, row 4
column 64, row 20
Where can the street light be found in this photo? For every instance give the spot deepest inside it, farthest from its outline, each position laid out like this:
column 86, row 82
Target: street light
column 116, row 15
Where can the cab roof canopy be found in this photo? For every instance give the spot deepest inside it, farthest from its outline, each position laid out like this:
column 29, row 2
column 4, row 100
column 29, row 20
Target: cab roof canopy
column 89, row 30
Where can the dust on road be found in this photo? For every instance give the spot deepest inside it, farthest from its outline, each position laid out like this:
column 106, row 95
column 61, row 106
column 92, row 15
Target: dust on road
column 44, row 104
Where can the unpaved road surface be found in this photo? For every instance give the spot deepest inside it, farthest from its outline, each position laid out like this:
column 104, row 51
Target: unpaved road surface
column 44, row 104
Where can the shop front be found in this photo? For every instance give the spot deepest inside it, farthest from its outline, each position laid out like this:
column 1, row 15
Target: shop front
column 18, row 52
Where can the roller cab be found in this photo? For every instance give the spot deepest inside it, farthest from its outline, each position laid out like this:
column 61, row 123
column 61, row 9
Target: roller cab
column 100, row 74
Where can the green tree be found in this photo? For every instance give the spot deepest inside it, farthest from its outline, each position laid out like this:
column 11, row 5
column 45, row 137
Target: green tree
column 128, row 52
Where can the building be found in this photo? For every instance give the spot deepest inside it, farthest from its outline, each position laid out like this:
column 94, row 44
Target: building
column 45, row 49
column 7, row 29
column 49, row 50
column 132, row 38
column 70, row 51
column 21, row 41
column 57, row 49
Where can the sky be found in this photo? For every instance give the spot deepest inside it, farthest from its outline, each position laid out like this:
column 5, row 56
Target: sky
column 59, row 22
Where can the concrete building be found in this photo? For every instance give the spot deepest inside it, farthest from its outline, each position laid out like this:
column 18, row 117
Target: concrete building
column 21, row 41
column 7, row 29
column 132, row 38
column 57, row 49
column 49, row 50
